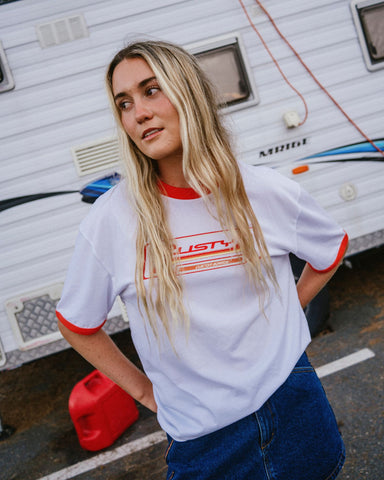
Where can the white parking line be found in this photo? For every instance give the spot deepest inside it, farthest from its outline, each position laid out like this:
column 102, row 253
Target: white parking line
column 157, row 437
column 107, row 457
column 345, row 362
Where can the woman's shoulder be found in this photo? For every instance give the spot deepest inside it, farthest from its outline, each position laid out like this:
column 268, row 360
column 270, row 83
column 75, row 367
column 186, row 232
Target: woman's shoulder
column 267, row 180
column 109, row 210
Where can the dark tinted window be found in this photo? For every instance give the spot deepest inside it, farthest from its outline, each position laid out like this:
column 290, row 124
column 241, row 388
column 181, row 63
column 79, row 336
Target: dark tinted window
column 372, row 21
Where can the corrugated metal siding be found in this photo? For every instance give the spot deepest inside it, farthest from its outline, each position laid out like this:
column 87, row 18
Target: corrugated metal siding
column 59, row 102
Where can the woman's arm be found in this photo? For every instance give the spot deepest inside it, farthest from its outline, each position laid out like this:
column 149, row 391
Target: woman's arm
column 100, row 350
column 311, row 282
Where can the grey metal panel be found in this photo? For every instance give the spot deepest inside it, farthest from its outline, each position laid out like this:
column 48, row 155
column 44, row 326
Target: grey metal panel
column 37, row 319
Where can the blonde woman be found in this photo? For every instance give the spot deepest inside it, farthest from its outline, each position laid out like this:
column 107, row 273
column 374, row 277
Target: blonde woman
column 197, row 246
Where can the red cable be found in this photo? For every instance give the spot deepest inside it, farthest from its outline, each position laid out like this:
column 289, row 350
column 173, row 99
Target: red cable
column 307, row 69
column 276, row 62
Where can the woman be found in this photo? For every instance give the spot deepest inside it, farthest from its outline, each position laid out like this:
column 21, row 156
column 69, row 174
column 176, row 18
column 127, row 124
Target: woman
column 197, row 247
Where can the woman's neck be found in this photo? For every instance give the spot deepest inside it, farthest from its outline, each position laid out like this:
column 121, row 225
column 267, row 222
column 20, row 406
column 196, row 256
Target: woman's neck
column 172, row 174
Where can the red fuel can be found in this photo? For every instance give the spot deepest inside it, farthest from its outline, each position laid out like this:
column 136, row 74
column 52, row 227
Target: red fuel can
column 100, row 410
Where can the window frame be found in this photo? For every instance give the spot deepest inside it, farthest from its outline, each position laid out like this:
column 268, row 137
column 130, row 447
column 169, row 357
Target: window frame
column 233, row 39
column 356, row 6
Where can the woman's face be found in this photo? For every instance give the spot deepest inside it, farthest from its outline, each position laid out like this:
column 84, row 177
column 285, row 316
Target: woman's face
column 148, row 117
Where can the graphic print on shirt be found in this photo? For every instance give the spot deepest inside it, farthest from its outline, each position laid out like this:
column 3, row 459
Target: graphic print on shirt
column 201, row 252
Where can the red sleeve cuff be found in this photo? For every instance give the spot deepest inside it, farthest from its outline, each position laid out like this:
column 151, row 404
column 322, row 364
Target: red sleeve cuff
column 340, row 255
column 76, row 329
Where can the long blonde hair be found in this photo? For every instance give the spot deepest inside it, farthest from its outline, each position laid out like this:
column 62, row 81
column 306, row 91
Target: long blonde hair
column 209, row 165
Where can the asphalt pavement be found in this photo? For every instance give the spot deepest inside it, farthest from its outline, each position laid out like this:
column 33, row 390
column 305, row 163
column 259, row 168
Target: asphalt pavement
column 44, row 445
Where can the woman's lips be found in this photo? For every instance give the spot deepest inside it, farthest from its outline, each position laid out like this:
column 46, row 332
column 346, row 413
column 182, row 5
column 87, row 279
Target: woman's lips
column 151, row 133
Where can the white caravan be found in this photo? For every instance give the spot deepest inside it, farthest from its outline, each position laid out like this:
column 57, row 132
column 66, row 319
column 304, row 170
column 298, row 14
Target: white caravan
column 57, row 133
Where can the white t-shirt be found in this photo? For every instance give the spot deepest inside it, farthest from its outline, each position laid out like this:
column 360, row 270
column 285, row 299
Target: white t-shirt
column 235, row 357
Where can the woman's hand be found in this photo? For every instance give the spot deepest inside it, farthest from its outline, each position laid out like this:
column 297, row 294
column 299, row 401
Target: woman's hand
column 99, row 350
column 311, row 282
column 148, row 400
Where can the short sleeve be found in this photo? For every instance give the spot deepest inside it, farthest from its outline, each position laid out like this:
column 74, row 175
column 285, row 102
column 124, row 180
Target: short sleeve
column 88, row 293
column 320, row 241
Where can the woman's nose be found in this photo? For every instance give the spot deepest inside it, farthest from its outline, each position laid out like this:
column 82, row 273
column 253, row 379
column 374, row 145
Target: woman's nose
column 142, row 112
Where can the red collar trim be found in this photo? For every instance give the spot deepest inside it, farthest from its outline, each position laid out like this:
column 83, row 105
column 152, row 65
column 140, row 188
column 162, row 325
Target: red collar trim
column 177, row 192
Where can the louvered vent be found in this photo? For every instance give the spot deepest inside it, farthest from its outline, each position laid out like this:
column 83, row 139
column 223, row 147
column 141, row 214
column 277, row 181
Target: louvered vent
column 61, row 30
column 96, row 156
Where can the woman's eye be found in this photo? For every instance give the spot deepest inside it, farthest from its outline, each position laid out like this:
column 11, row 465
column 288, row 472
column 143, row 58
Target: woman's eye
column 125, row 105
column 152, row 90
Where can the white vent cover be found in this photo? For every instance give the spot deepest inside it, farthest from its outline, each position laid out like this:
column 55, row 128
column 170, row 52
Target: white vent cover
column 61, row 30
column 96, row 156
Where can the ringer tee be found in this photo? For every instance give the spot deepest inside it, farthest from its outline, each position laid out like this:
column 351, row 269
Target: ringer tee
column 234, row 357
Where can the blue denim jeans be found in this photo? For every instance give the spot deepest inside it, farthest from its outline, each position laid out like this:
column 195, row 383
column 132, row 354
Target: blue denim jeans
column 294, row 436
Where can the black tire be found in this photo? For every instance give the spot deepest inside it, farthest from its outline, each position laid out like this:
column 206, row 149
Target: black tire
column 318, row 310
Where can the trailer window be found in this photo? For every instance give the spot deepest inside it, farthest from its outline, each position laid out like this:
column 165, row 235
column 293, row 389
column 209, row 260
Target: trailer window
column 6, row 79
column 224, row 62
column 369, row 21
